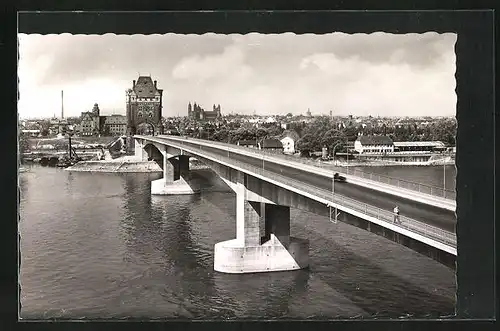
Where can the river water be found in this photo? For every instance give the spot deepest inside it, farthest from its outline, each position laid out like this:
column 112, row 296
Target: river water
column 96, row 245
column 428, row 175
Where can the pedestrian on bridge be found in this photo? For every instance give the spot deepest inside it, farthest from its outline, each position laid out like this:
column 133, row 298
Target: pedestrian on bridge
column 396, row 215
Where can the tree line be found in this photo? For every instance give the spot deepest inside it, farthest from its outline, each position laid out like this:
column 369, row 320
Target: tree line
column 322, row 131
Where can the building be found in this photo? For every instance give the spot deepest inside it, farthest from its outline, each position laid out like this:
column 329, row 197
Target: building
column 197, row 113
column 30, row 133
column 90, row 122
column 381, row 148
column 288, row 140
column 247, row 143
column 271, row 144
column 144, row 106
column 270, row 120
column 419, row 146
column 373, row 144
column 115, row 125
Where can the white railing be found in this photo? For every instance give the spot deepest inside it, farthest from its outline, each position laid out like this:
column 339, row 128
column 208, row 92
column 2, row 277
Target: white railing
column 422, row 228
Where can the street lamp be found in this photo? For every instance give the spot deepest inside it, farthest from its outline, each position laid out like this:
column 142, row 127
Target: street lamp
column 336, row 214
column 444, row 176
column 347, row 156
column 333, row 151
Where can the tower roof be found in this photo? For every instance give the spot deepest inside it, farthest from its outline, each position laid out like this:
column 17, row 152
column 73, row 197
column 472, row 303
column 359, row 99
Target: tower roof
column 145, row 88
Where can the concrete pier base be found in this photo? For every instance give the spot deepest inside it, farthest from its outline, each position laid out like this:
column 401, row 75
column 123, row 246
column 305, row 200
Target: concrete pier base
column 233, row 257
column 178, row 187
column 263, row 242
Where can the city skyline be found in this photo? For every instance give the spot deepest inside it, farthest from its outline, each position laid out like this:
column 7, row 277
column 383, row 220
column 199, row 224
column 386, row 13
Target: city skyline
column 396, row 75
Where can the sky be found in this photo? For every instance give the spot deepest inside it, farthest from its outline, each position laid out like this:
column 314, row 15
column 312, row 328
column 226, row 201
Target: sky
column 377, row 74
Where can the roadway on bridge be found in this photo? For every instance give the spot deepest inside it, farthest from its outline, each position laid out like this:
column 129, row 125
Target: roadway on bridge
column 431, row 215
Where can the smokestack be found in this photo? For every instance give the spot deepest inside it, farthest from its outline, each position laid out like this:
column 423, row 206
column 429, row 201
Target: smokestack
column 155, row 83
column 133, row 83
column 62, row 104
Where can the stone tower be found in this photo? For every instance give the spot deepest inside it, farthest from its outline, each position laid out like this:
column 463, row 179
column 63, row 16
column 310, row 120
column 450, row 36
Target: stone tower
column 144, row 105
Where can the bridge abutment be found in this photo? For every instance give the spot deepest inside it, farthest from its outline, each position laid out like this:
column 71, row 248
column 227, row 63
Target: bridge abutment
column 263, row 242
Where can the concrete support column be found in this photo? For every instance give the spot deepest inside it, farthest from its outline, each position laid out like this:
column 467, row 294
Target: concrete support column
column 165, row 164
column 248, row 229
column 176, row 177
column 138, row 149
column 277, row 224
column 184, row 165
column 263, row 242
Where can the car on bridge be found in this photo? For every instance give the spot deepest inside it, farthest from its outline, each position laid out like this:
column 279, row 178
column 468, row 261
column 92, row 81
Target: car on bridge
column 339, row 178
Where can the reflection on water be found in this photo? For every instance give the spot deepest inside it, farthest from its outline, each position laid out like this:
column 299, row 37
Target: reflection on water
column 100, row 246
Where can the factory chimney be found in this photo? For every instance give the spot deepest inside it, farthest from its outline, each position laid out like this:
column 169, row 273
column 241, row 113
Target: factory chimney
column 62, row 104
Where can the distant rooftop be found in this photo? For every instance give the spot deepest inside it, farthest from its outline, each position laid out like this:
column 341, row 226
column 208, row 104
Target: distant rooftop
column 271, row 143
column 375, row 140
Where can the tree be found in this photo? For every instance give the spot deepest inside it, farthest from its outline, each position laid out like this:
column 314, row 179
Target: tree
column 23, row 143
column 241, row 134
column 318, row 126
column 262, row 133
column 333, row 138
column 221, row 135
column 274, row 130
column 307, row 144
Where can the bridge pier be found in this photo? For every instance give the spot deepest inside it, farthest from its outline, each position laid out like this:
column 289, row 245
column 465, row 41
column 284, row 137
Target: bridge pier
column 176, row 177
column 139, row 151
column 263, row 242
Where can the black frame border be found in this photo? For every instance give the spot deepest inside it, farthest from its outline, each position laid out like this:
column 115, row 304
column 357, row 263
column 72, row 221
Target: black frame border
column 475, row 49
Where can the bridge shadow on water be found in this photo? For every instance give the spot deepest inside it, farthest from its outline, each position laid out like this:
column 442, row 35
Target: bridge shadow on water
column 169, row 261
column 372, row 284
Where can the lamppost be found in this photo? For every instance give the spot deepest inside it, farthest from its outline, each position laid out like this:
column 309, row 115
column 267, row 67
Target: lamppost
column 347, row 155
column 347, row 151
column 336, row 214
column 444, row 175
column 333, row 151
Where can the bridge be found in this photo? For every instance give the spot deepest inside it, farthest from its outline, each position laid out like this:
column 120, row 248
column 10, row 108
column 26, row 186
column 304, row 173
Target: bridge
column 267, row 186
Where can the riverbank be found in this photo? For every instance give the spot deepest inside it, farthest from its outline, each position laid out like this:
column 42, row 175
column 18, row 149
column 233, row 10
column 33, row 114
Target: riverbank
column 115, row 166
column 126, row 164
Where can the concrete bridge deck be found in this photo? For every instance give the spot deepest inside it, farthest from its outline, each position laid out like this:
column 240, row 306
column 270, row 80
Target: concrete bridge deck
column 425, row 194
column 431, row 214
column 422, row 231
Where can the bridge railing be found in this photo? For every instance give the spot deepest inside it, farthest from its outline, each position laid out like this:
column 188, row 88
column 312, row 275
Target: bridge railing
column 431, row 190
column 426, row 230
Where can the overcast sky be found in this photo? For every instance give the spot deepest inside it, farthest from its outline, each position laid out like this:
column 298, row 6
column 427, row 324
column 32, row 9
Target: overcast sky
column 377, row 74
